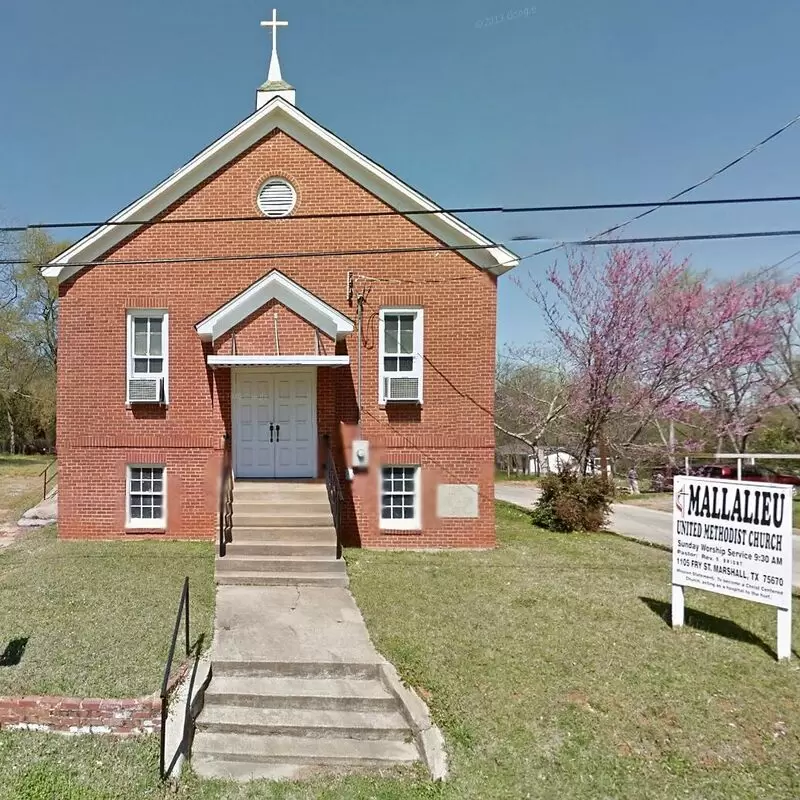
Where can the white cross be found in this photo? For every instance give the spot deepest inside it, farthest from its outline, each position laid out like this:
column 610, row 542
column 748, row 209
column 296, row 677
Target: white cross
column 274, row 24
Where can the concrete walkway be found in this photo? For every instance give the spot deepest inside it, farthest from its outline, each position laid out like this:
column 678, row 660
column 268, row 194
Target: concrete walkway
column 304, row 624
column 297, row 687
column 633, row 522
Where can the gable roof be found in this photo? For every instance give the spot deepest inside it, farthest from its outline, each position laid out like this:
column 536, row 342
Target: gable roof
column 274, row 286
column 280, row 114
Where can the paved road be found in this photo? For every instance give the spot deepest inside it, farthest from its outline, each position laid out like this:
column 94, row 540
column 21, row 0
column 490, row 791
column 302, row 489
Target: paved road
column 634, row 522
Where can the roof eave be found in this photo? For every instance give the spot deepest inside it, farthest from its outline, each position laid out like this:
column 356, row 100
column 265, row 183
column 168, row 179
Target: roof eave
column 318, row 139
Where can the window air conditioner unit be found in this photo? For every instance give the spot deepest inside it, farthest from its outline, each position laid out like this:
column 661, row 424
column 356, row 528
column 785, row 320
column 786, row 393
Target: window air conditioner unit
column 146, row 390
column 402, row 390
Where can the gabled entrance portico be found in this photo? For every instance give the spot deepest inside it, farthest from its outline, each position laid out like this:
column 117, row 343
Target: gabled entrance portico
column 273, row 395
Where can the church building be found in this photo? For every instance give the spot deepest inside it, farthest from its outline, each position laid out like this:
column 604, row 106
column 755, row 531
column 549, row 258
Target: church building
column 281, row 335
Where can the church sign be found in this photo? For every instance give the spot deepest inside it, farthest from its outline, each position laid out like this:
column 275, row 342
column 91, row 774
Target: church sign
column 734, row 538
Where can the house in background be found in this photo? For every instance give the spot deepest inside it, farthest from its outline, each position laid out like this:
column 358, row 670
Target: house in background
column 514, row 458
column 184, row 342
column 551, row 462
column 518, row 458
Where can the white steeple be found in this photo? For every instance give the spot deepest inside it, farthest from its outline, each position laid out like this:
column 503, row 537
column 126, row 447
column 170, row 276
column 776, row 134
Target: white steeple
column 275, row 86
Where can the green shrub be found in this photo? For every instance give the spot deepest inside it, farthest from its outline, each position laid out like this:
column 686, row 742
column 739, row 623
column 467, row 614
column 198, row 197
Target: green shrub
column 570, row 502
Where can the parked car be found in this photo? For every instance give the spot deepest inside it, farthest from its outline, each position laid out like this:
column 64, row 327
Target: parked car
column 726, row 471
column 750, row 472
column 755, row 472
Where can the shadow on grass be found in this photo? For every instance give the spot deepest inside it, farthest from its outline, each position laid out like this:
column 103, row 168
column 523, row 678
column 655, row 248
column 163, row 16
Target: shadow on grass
column 13, row 652
column 709, row 623
column 196, row 649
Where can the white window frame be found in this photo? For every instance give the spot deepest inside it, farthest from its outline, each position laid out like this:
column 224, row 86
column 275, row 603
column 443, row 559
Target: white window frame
column 150, row 524
column 413, row 524
column 418, row 354
column 152, row 313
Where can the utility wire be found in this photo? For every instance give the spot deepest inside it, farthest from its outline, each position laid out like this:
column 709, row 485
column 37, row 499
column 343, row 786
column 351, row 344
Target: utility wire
column 784, row 260
column 700, row 237
column 674, row 197
column 262, row 256
column 399, row 250
column 414, row 213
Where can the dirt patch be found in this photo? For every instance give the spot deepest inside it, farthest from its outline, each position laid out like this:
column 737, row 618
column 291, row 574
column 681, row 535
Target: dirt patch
column 8, row 533
column 16, row 494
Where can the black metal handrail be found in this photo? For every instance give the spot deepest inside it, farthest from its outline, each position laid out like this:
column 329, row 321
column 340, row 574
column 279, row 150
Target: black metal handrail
column 335, row 493
column 226, row 499
column 48, row 477
column 183, row 611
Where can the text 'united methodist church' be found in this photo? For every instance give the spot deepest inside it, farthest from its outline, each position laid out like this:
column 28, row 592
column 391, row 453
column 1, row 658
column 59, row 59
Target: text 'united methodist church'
column 764, row 509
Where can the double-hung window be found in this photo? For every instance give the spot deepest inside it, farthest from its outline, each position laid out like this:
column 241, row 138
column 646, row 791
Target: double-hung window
column 147, row 357
column 400, row 504
column 146, row 497
column 401, row 355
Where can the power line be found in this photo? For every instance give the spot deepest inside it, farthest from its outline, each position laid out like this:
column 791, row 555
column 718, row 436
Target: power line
column 263, row 256
column 674, row 197
column 784, row 260
column 401, row 250
column 700, row 237
column 653, row 206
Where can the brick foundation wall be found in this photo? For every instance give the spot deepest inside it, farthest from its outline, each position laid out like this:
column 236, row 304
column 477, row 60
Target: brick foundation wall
column 92, row 489
column 77, row 715
column 450, row 436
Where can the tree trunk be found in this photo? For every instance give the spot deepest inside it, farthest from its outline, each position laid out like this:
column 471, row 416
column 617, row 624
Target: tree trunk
column 12, row 438
column 672, row 442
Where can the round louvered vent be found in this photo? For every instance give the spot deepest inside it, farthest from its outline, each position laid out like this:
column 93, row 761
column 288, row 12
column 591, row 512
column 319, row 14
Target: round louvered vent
column 276, row 198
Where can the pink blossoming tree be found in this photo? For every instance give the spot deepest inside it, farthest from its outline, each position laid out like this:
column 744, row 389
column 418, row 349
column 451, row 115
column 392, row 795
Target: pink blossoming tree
column 643, row 338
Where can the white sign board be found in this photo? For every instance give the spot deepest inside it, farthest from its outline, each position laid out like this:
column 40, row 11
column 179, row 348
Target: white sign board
column 733, row 538
column 456, row 500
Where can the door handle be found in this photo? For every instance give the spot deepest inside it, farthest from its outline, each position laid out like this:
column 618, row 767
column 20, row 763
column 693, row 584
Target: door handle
column 271, row 426
column 278, row 432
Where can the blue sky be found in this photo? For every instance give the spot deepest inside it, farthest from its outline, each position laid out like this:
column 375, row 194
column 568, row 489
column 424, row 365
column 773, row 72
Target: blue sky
column 624, row 100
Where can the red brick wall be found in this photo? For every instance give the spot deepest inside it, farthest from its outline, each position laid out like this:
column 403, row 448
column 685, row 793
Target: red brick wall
column 77, row 715
column 256, row 335
column 451, row 435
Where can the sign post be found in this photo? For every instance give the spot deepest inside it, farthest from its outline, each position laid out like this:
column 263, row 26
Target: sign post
column 734, row 538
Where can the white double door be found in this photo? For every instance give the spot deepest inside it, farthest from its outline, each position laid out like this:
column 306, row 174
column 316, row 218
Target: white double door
column 275, row 423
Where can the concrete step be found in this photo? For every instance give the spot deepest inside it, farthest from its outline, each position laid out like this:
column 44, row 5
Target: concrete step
column 292, row 564
column 215, row 754
column 276, row 487
column 311, row 670
column 319, row 534
column 252, row 578
column 274, row 520
column 213, row 768
column 280, row 493
column 328, row 694
column 269, row 508
column 282, row 548
column 255, row 495
column 313, row 723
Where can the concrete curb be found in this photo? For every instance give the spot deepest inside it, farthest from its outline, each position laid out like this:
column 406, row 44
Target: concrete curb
column 180, row 725
column 428, row 737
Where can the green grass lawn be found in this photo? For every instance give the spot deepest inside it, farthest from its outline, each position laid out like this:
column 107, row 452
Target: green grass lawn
column 95, row 618
column 20, row 484
column 552, row 670
column 502, row 475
